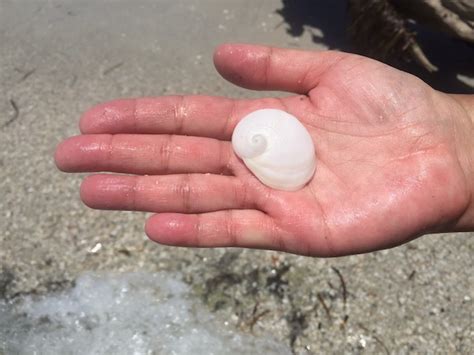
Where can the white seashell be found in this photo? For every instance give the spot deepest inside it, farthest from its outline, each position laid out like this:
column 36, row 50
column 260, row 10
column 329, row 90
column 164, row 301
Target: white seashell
column 276, row 147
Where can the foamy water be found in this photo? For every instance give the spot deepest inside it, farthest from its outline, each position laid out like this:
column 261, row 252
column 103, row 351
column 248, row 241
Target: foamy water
column 135, row 313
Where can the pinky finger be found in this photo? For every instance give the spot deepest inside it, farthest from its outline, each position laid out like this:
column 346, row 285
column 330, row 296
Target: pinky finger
column 230, row 228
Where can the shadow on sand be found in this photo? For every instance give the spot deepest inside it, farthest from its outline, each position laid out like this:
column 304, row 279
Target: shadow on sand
column 452, row 57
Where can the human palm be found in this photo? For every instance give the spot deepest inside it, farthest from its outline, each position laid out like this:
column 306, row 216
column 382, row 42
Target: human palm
column 387, row 171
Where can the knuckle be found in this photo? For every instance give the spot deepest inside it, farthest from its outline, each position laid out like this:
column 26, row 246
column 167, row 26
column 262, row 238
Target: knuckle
column 227, row 126
column 225, row 159
column 267, row 64
column 184, row 192
column 109, row 146
column 180, row 113
column 133, row 193
column 230, row 227
column 165, row 153
column 242, row 194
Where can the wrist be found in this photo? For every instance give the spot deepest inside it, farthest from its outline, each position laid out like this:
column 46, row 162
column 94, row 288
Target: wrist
column 464, row 123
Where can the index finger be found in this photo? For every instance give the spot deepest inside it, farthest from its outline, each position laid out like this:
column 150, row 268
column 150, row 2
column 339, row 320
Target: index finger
column 194, row 115
column 189, row 115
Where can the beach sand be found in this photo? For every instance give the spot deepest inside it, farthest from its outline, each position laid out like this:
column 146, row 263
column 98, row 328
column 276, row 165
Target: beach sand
column 58, row 58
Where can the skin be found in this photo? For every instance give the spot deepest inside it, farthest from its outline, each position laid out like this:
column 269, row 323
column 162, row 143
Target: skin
column 395, row 158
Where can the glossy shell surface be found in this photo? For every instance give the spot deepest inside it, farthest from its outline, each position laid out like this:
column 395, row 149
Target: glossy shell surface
column 276, row 147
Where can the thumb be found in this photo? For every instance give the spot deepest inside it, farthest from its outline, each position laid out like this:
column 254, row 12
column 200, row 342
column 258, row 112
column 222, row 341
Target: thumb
column 271, row 68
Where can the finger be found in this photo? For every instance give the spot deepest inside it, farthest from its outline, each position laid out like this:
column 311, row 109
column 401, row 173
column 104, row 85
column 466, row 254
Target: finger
column 144, row 154
column 186, row 193
column 231, row 228
column 203, row 116
column 270, row 68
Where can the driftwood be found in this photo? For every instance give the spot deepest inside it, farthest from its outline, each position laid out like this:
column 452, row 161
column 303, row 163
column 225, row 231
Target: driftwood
column 379, row 28
column 455, row 17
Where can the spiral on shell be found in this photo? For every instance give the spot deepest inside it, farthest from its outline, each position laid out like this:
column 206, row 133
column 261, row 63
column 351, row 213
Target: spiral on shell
column 276, row 148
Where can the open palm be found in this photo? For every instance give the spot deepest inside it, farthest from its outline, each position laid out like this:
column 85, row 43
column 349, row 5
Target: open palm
column 387, row 171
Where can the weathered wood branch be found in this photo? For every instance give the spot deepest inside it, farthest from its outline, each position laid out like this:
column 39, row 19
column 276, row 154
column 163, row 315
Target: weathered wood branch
column 455, row 17
column 379, row 28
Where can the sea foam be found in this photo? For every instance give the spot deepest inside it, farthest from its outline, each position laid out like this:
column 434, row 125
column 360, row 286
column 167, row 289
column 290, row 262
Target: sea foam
column 134, row 313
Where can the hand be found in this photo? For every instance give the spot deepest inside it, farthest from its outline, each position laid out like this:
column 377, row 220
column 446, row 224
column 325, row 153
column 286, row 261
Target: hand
column 394, row 158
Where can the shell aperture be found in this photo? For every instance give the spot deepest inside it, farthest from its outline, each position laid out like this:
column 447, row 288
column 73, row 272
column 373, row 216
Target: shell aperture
column 276, row 147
